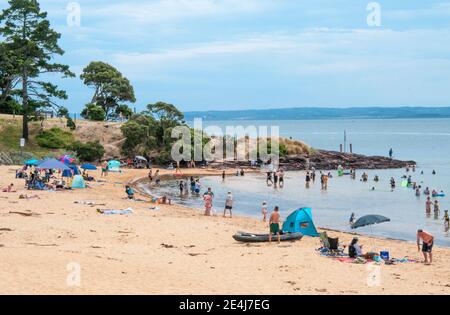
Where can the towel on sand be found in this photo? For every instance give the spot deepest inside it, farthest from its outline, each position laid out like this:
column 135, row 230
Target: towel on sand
column 114, row 212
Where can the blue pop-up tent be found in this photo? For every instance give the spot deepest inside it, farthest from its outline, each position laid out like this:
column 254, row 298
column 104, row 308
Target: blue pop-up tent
column 78, row 182
column 114, row 166
column 300, row 221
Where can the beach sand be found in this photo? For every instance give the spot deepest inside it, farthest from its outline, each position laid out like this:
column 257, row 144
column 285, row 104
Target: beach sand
column 176, row 251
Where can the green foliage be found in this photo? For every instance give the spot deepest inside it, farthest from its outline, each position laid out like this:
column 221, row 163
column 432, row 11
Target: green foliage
column 89, row 151
column 55, row 138
column 93, row 112
column 111, row 88
column 71, row 124
column 124, row 111
column 63, row 112
column 32, row 44
column 10, row 106
column 139, row 134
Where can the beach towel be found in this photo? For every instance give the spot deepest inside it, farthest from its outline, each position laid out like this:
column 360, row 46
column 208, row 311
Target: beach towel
column 115, row 212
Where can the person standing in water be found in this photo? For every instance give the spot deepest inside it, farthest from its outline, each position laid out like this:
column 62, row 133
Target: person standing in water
column 446, row 220
column 437, row 207
column 308, row 180
column 392, row 183
column 275, row 225
column 269, row 180
column 428, row 205
column 281, row 178
column 275, row 179
column 391, row 153
column 223, row 175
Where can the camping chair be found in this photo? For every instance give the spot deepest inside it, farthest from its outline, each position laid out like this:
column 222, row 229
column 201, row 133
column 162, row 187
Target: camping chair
column 330, row 245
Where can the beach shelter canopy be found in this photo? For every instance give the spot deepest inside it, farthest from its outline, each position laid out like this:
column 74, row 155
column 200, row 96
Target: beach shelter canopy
column 140, row 158
column 370, row 220
column 301, row 221
column 67, row 159
column 52, row 164
column 114, row 166
column 32, row 162
column 88, row 167
column 73, row 170
column 78, row 182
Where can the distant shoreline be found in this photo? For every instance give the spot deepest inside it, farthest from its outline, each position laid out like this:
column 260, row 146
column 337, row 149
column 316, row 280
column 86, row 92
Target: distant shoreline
column 310, row 113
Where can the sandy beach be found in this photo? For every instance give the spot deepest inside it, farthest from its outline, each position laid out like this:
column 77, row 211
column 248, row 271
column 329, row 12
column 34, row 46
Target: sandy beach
column 176, row 250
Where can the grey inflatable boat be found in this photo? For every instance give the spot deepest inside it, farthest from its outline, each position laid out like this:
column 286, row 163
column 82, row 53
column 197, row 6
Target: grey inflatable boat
column 244, row 237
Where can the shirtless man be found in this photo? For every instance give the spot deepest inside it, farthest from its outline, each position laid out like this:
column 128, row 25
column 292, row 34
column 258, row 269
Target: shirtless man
column 427, row 247
column 275, row 225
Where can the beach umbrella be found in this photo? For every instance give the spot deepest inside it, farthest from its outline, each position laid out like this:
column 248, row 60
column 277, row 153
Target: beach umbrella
column 88, row 167
column 370, row 220
column 53, row 164
column 32, row 162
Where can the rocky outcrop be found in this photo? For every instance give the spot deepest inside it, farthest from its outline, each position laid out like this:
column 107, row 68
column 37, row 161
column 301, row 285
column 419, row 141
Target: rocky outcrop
column 328, row 160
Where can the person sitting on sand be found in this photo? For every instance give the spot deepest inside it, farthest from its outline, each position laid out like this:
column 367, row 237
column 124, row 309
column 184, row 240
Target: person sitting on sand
column 428, row 205
column 274, row 223
column 228, row 205
column 9, row 189
column 427, row 247
column 355, row 250
column 129, row 191
column 352, row 219
column 264, row 211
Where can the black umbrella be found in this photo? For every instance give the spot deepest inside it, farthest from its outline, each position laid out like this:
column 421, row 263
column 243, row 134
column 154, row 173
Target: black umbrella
column 370, row 220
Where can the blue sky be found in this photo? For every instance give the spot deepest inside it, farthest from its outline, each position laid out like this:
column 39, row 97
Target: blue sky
column 242, row 54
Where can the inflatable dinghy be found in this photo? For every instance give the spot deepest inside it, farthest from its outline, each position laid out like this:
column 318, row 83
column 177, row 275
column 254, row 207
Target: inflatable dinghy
column 244, row 237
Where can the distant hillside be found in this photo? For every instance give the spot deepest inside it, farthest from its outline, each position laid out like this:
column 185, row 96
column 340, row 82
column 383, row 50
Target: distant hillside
column 307, row 113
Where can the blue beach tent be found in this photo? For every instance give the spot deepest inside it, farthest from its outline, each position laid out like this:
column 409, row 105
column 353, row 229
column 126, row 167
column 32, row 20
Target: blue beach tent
column 32, row 162
column 301, row 221
column 78, row 182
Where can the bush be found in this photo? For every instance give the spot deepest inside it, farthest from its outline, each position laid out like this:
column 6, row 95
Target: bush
column 71, row 124
column 55, row 138
column 93, row 112
column 89, row 151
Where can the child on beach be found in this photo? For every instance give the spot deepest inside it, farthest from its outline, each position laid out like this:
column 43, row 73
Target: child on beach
column 129, row 191
column 157, row 178
column 264, row 211
column 228, row 205
column 104, row 169
column 9, row 189
column 208, row 204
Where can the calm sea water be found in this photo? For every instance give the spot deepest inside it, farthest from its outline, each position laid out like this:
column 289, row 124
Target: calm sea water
column 427, row 141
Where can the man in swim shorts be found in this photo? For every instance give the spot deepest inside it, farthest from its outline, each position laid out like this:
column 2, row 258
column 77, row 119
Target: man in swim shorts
column 427, row 246
column 275, row 225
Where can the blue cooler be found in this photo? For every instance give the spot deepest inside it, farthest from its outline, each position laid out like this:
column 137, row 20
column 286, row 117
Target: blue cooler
column 384, row 256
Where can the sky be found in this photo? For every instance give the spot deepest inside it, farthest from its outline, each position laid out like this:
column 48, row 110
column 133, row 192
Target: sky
column 259, row 54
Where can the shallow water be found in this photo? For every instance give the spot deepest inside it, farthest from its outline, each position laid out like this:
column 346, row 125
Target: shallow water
column 426, row 141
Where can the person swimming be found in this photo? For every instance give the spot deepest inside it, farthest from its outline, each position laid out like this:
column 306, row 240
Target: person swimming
column 376, row 179
column 427, row 192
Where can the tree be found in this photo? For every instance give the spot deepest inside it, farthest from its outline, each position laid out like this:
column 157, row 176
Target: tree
column 89, row 151
column 9, row 76
column 27, row 32
column 139, row 133
column 93, row 112
column 111, row 89
column 167, row 117
column 63, row 112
